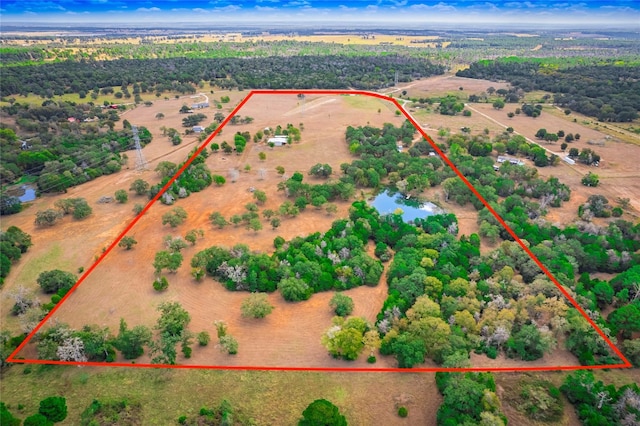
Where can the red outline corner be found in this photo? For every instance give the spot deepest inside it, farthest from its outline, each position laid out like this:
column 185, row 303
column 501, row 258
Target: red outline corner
column 625, row 364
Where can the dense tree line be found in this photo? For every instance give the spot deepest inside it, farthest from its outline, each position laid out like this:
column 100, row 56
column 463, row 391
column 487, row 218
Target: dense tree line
column 13, row 244
column 609, row 92
column 182, row 74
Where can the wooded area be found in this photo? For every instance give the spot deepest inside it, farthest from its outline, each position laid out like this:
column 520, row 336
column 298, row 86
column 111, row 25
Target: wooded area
column 609, row 91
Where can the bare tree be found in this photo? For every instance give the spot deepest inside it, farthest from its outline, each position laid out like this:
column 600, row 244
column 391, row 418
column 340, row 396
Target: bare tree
column 72, row 349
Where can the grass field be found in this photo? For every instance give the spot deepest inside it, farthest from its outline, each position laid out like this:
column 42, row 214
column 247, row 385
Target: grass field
column 165, row 395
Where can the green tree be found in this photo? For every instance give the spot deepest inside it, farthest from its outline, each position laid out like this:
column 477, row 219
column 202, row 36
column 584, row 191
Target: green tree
column 255, row 225
column 294, row 289
column 203, row 338
column 590, row 179
column 498, row 104
column 218, row 220
column 192, row 236
column 256, row 306
column 166, row 169
column 127, row 242
column 47, row 217
column 345, row 338
column 6, row 418
column 131, row 342
column 322, row 413
column 175, row 217
column 260, row 196
column 160, row 284
column 229, row 344
column 167, row 260
column 409, row 350
column 625, row 319
column 219, row 180
column 121, row 196
column 55, row 280
column 54, row 408
column 81, row 209
column 529, row 343
column 37, row 420
column 321, row 170
column 139, row 186
column 176, row 244
column 341, row 304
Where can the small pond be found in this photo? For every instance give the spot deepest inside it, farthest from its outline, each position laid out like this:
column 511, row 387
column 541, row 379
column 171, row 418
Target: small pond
column 388, row 202
column 24, row 193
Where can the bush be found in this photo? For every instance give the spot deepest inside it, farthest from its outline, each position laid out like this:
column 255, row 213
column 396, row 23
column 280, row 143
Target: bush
column 371, row 359
column 182, row 420
column 322, row 412
column 403, row 412
column 341, row 304
column 203, row 338
column 229, row 344
column 160, row 284
column 6, row 418
column 121, row 196
column 54, row 408
column 256, row 306
column 55, row 280
column 491, row 351
column 37, row 420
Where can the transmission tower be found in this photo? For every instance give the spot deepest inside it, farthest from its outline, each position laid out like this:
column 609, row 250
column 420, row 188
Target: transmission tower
column 395, row 80
column 141, row 163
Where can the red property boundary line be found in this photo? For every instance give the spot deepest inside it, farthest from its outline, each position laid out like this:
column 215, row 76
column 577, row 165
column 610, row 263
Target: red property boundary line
column 625, row 364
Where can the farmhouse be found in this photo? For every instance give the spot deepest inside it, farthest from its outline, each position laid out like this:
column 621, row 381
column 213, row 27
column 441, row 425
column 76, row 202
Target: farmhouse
column 198, row 129
column 200, row 105
column 502, row 159
column 278, row 140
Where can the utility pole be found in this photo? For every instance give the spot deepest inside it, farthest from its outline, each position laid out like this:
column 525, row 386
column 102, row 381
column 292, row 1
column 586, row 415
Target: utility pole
column 141, row 163
column 395, row 80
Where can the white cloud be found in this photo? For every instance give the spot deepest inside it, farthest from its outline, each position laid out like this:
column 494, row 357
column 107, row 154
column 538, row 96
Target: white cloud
column 200, row 10
column 150, row 9
column 298, row 3
column 439, row 7
column 229, row 8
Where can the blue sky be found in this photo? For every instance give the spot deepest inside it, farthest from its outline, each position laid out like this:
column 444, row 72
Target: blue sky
column 224, row 12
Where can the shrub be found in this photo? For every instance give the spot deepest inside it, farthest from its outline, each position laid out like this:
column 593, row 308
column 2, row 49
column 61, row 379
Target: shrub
column 322, row 412
column 403, row 412
column 256, row 306
column 160, row 284
column 37, row 420
column 203, row 338
column 52, row 281
column 121, row 196
column 54, row 408
column 182, row 420
column 229, row 344
column 341, row 304
column 371, row 359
